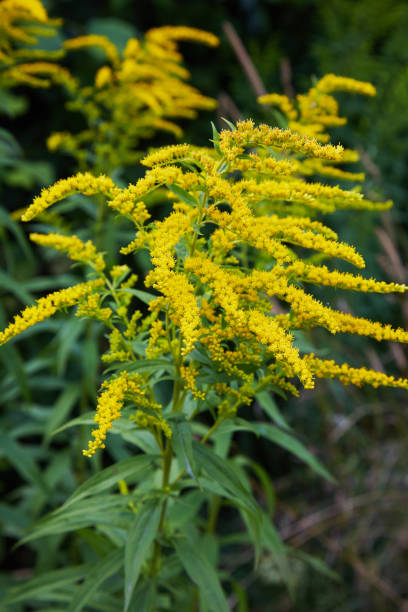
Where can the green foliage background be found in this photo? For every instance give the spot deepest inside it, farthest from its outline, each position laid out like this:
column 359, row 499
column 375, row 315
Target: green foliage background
column 358, row 526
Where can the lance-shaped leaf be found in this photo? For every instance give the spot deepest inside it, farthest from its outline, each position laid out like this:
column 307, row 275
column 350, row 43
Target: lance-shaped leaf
column 98, row 574
column 141, row 535
column 202, row 573
column 132, row 468
column 224, row 475
column 182, row 443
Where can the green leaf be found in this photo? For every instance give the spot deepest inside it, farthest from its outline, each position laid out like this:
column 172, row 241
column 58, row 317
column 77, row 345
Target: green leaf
column 224, row 475
column 12, row 286
column 139, row 539
column 184, row 508
column 231, row 126
column 315, row 563
column 202, row 573
column 263, row 478
column 146, row 365
column 99, row 573
column 182, row 443
column 144, row 596
column 66, row 340
column 61, row 409
column 253, row 526
column 183, row 195
column 143, row 296
column 131, row 469
column 241, row 595
column 117, row 30
column 12, row 105
column 14, row 228
column 22, row 461
column 271, row 409
column 233, row 425
column 45, row 585
column 109, row 510
column 29, row 173
column 99, row 543
column 216, row 138
column 282, row 438
column 85, row 419
column 272, row 542
column 124, row 427
column 294, row 446
column 9, row 147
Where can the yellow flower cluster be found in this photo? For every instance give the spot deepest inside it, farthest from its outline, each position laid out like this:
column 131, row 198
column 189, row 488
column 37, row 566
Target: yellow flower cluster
column 165, row 155
column 321, row 275
column 327, row 368
column 151, row 421
column 94, row 40
column 311, row 114
column 138, row 92
column 21, row 22
column 91, row 308
column 84, row 183
column 77, row 250
column 47, row 306
column 118, row 349
column 167, row 35
column 110, row 404
column 181, row 302
column 246, row 135
column 331, row 82
column 228, row 271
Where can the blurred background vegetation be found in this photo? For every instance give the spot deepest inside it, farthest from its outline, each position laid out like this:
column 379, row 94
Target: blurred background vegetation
column 359, row 527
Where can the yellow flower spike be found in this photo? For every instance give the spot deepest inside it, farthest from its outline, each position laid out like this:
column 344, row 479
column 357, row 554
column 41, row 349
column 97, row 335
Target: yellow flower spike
column 321, row 275
column 94, row 40
column 118, row 271
column 310, row 167
column 167, row 34
column 77, row 250
column 110, row 404
column 29, row 9
column 103, row 77
column 124, row 200
column 84, row 183
column 332, row 82
column 132, row 48
column 180, row 293
column 246, row 134
column 47, row 306
column 268, row 331
column 282, row 102
column 304, row 238
column 117, row 352
column 310, row 311
column 327, row 368
column 149, row 421
column 91, row 308
column 189, row 374
column 13, row 14
column 164, row 155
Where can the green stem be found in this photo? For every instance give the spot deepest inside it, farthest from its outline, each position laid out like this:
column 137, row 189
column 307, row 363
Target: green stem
column 215, row 504
column 167, row 457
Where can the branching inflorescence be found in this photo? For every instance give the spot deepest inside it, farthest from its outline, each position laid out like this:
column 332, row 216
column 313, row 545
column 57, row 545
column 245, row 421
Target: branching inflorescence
column 232, row 264
column 137, row 93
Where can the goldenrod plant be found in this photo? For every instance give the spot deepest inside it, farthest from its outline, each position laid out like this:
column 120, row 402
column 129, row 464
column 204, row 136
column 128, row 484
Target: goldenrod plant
column 24, row 62
column 313, row 114
column 214, row 329
column 134, row 95
column 22, row 22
